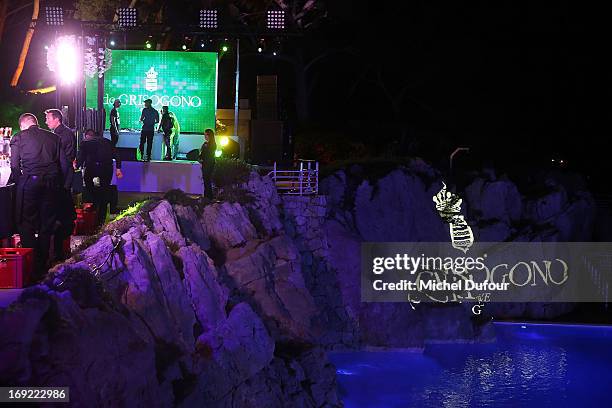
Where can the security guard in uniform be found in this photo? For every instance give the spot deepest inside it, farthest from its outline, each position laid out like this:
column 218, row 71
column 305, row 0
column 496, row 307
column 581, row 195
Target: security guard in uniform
column 66, row 213
column 38, row 164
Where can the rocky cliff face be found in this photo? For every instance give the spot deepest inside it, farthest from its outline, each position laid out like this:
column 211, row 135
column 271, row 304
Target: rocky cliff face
column 398, row 207
column 554, row 211
column 235, row 305
column 176, row 306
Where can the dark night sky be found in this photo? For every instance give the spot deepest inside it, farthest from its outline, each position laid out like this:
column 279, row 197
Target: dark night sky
column 519, row 76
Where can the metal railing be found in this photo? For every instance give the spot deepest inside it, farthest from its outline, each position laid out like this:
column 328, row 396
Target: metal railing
column 303, row 181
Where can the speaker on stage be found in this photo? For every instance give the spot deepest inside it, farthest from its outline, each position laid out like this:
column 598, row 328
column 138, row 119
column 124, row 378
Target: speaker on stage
column 266, row 141
column 193, row 155
column 267, row 97
column 126, row 153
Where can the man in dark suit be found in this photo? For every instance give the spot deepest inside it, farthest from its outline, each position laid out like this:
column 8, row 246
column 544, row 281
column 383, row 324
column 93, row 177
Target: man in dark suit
column 65, row 212
column 166, row 125
column 96, row 156
column 115, row 122
column 149, row 118
column 38, row 166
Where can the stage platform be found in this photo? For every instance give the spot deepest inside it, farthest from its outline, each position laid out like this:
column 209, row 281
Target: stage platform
column 131, row 139
column 160, row 176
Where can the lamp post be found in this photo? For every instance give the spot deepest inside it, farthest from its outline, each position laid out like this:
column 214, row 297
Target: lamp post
column 240, row 140
column 454, row 153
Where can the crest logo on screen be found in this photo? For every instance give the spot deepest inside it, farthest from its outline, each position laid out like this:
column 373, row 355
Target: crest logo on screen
column 151, row 80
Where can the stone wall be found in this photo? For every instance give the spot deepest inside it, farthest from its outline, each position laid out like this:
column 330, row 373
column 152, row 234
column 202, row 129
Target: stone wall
column 307, row 216
column 304, row 219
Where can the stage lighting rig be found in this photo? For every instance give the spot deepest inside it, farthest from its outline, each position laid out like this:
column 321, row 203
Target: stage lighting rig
column 208, row 19
column 128, row 17
column 275, row 20
column 54, row 16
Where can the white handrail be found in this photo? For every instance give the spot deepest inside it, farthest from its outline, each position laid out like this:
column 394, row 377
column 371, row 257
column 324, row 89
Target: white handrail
column 304, row 181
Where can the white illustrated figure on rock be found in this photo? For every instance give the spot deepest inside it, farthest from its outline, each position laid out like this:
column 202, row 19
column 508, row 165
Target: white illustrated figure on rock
column 448, row 206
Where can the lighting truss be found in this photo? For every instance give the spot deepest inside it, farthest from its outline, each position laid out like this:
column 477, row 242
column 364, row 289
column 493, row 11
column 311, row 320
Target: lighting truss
column 208, row 19
column 54, row 16
column 275, row 20
column 128, row 17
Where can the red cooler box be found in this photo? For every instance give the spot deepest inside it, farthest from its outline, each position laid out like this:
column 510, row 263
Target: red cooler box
column 85, row 223
column 15, row 267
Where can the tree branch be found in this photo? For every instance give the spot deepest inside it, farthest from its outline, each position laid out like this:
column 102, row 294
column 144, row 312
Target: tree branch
column 26, row 45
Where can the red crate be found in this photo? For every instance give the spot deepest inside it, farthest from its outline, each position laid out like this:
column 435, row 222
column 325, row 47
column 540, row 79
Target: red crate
column 16, row 267
column 85, row 223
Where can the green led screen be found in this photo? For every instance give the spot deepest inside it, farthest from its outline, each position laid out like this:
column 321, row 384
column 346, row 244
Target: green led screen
column 185, row 81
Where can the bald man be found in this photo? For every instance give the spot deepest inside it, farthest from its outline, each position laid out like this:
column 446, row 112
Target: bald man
column 38, row 166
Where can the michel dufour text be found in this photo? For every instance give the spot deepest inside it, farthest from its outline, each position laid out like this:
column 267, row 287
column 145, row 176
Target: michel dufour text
column 432, row 273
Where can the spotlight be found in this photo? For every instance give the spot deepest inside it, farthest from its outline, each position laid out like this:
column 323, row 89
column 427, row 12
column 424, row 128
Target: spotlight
column 67, row 57
column 277, row 47
column 218, row 153
column 184, row 47
column 224, row 141
column 259, row 49
column 46, row 47
column 224, row 48
column 148, row 45
column 208, row 19
column 202, row 45
column 128, row 17
column 54, row 16
column 276, row 20
column 112, row 43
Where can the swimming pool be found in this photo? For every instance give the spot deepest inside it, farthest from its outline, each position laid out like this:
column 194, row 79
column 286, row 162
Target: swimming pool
column 530, row 365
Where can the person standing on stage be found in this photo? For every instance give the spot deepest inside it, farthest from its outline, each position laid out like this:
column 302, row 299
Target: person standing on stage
column 38, row 167
column 115, row 123
column 66, row 213
column 96, row 155
column 166, row 125
column 207, row 159
column 148, row 118
column 176, row 132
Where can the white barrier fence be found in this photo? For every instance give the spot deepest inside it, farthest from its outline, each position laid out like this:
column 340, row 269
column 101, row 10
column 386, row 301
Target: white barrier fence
column 303, row 181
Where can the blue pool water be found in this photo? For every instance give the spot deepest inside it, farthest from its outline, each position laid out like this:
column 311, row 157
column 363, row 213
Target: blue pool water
column 530, row 365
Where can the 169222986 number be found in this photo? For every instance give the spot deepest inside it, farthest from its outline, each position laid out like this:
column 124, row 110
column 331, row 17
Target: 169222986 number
column 34, row 394
column 37, row 393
